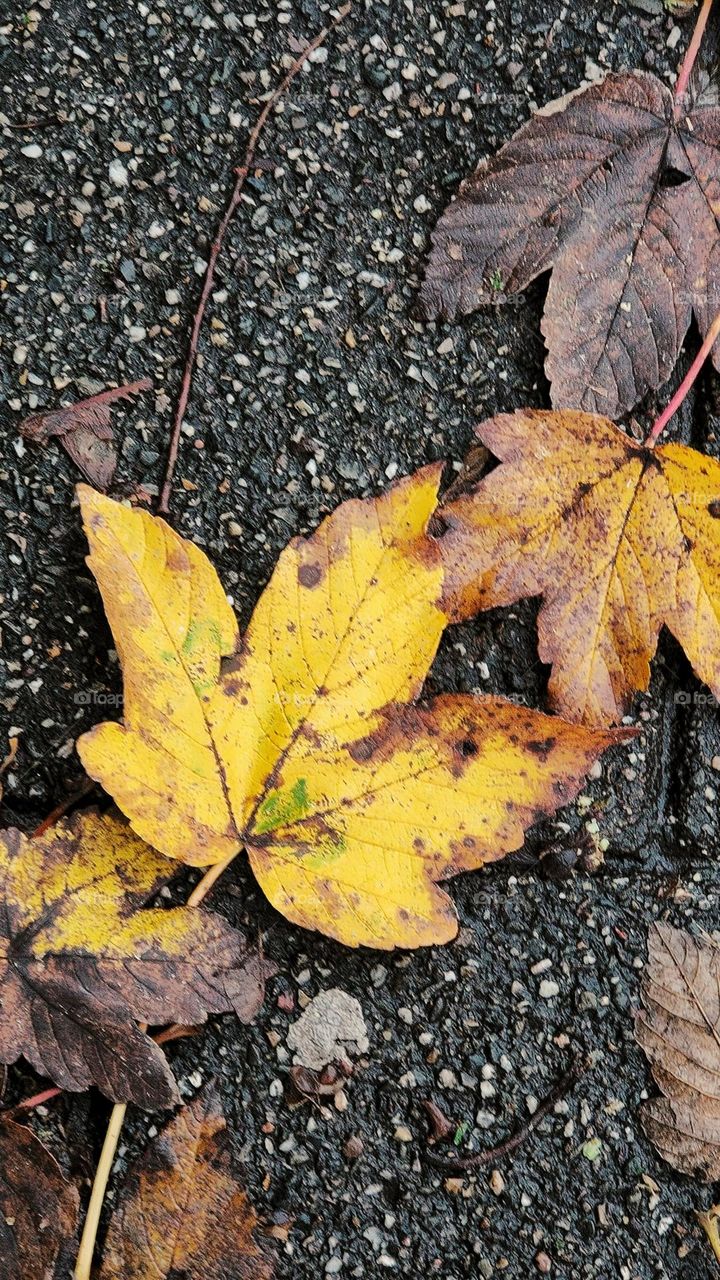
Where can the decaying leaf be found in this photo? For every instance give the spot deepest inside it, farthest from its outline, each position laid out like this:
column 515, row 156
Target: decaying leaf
column 182, row 1212
column 38, row 1208
column 303, row 744
column 614, row 188
column 330, row 1029
column 679, row 1029
column 82, row 958
column 617, row 538
column 84, row 431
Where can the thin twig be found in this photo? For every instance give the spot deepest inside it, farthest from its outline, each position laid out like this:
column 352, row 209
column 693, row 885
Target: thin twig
column 692, row 373
column 241, row 173
column 458, row 1164
column 83, row 1265
column 692, row 50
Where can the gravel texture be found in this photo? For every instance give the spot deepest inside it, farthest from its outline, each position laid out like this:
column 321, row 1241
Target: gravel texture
column 120, row 123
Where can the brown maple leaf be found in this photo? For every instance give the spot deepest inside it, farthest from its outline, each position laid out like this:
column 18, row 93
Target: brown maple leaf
column 182, row 1213
column 615, row 188
column 84, row 431
column 679, row 1029
column 38, row 1208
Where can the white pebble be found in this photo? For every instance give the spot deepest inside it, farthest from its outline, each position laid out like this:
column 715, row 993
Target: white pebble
column 117, row 173
column 548, row 989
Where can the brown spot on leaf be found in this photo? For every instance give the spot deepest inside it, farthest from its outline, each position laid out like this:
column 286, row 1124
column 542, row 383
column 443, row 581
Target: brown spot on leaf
column 310, row 575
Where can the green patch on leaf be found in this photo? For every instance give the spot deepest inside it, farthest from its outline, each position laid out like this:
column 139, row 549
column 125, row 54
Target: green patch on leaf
column 198, row 634
column 281, row 808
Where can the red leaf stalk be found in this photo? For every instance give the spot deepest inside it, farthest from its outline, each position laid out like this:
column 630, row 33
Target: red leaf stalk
column 692, row 50
column 692, row 373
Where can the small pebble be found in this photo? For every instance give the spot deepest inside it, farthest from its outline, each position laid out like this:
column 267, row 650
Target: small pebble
column 117, row 173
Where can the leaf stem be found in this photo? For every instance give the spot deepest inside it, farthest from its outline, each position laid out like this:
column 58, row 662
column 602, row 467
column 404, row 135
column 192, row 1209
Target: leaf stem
column 241, row 174
column 692, row 373
column 458, row 1163
column 102, row 1173
column 37, row 1099
column 203, row 887
column 61, row 809
column 112, row 1137
column 693, row 48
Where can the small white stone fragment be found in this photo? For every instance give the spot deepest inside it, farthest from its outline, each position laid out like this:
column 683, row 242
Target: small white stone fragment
column 548, row 989
column 117, row 173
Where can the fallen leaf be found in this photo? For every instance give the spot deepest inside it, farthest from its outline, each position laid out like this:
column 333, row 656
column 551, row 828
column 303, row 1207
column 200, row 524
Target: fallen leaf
column 307, row 1084
column 182, row 1212
column 617, row 538
column 679, row 1029
column 38, row 1208
column 330, row 1029
column 612, row 187
column 303, row 744
column 82, row 958
column 84, row 431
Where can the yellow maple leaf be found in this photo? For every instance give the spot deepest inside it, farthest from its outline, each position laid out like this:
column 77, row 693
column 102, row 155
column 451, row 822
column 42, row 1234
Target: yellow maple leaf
column 618, row 539
column 304, row 745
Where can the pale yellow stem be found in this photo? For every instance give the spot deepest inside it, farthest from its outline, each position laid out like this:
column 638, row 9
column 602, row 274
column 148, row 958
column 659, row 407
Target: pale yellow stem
column 102, row 1173
column 83, row 1265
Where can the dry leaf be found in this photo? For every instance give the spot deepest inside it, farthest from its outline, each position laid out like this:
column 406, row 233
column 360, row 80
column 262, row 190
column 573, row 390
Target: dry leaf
column 618, row 539
column 81, row 958
column 330, row 1029
column 679, row 1029
column 303, row 745
column 84, row 430
column 182, row 1213
column 38, row 1208
column 614, row 189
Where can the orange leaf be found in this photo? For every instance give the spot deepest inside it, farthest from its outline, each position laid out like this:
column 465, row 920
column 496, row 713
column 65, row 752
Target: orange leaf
column 182, row 1213
column 618, row 539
